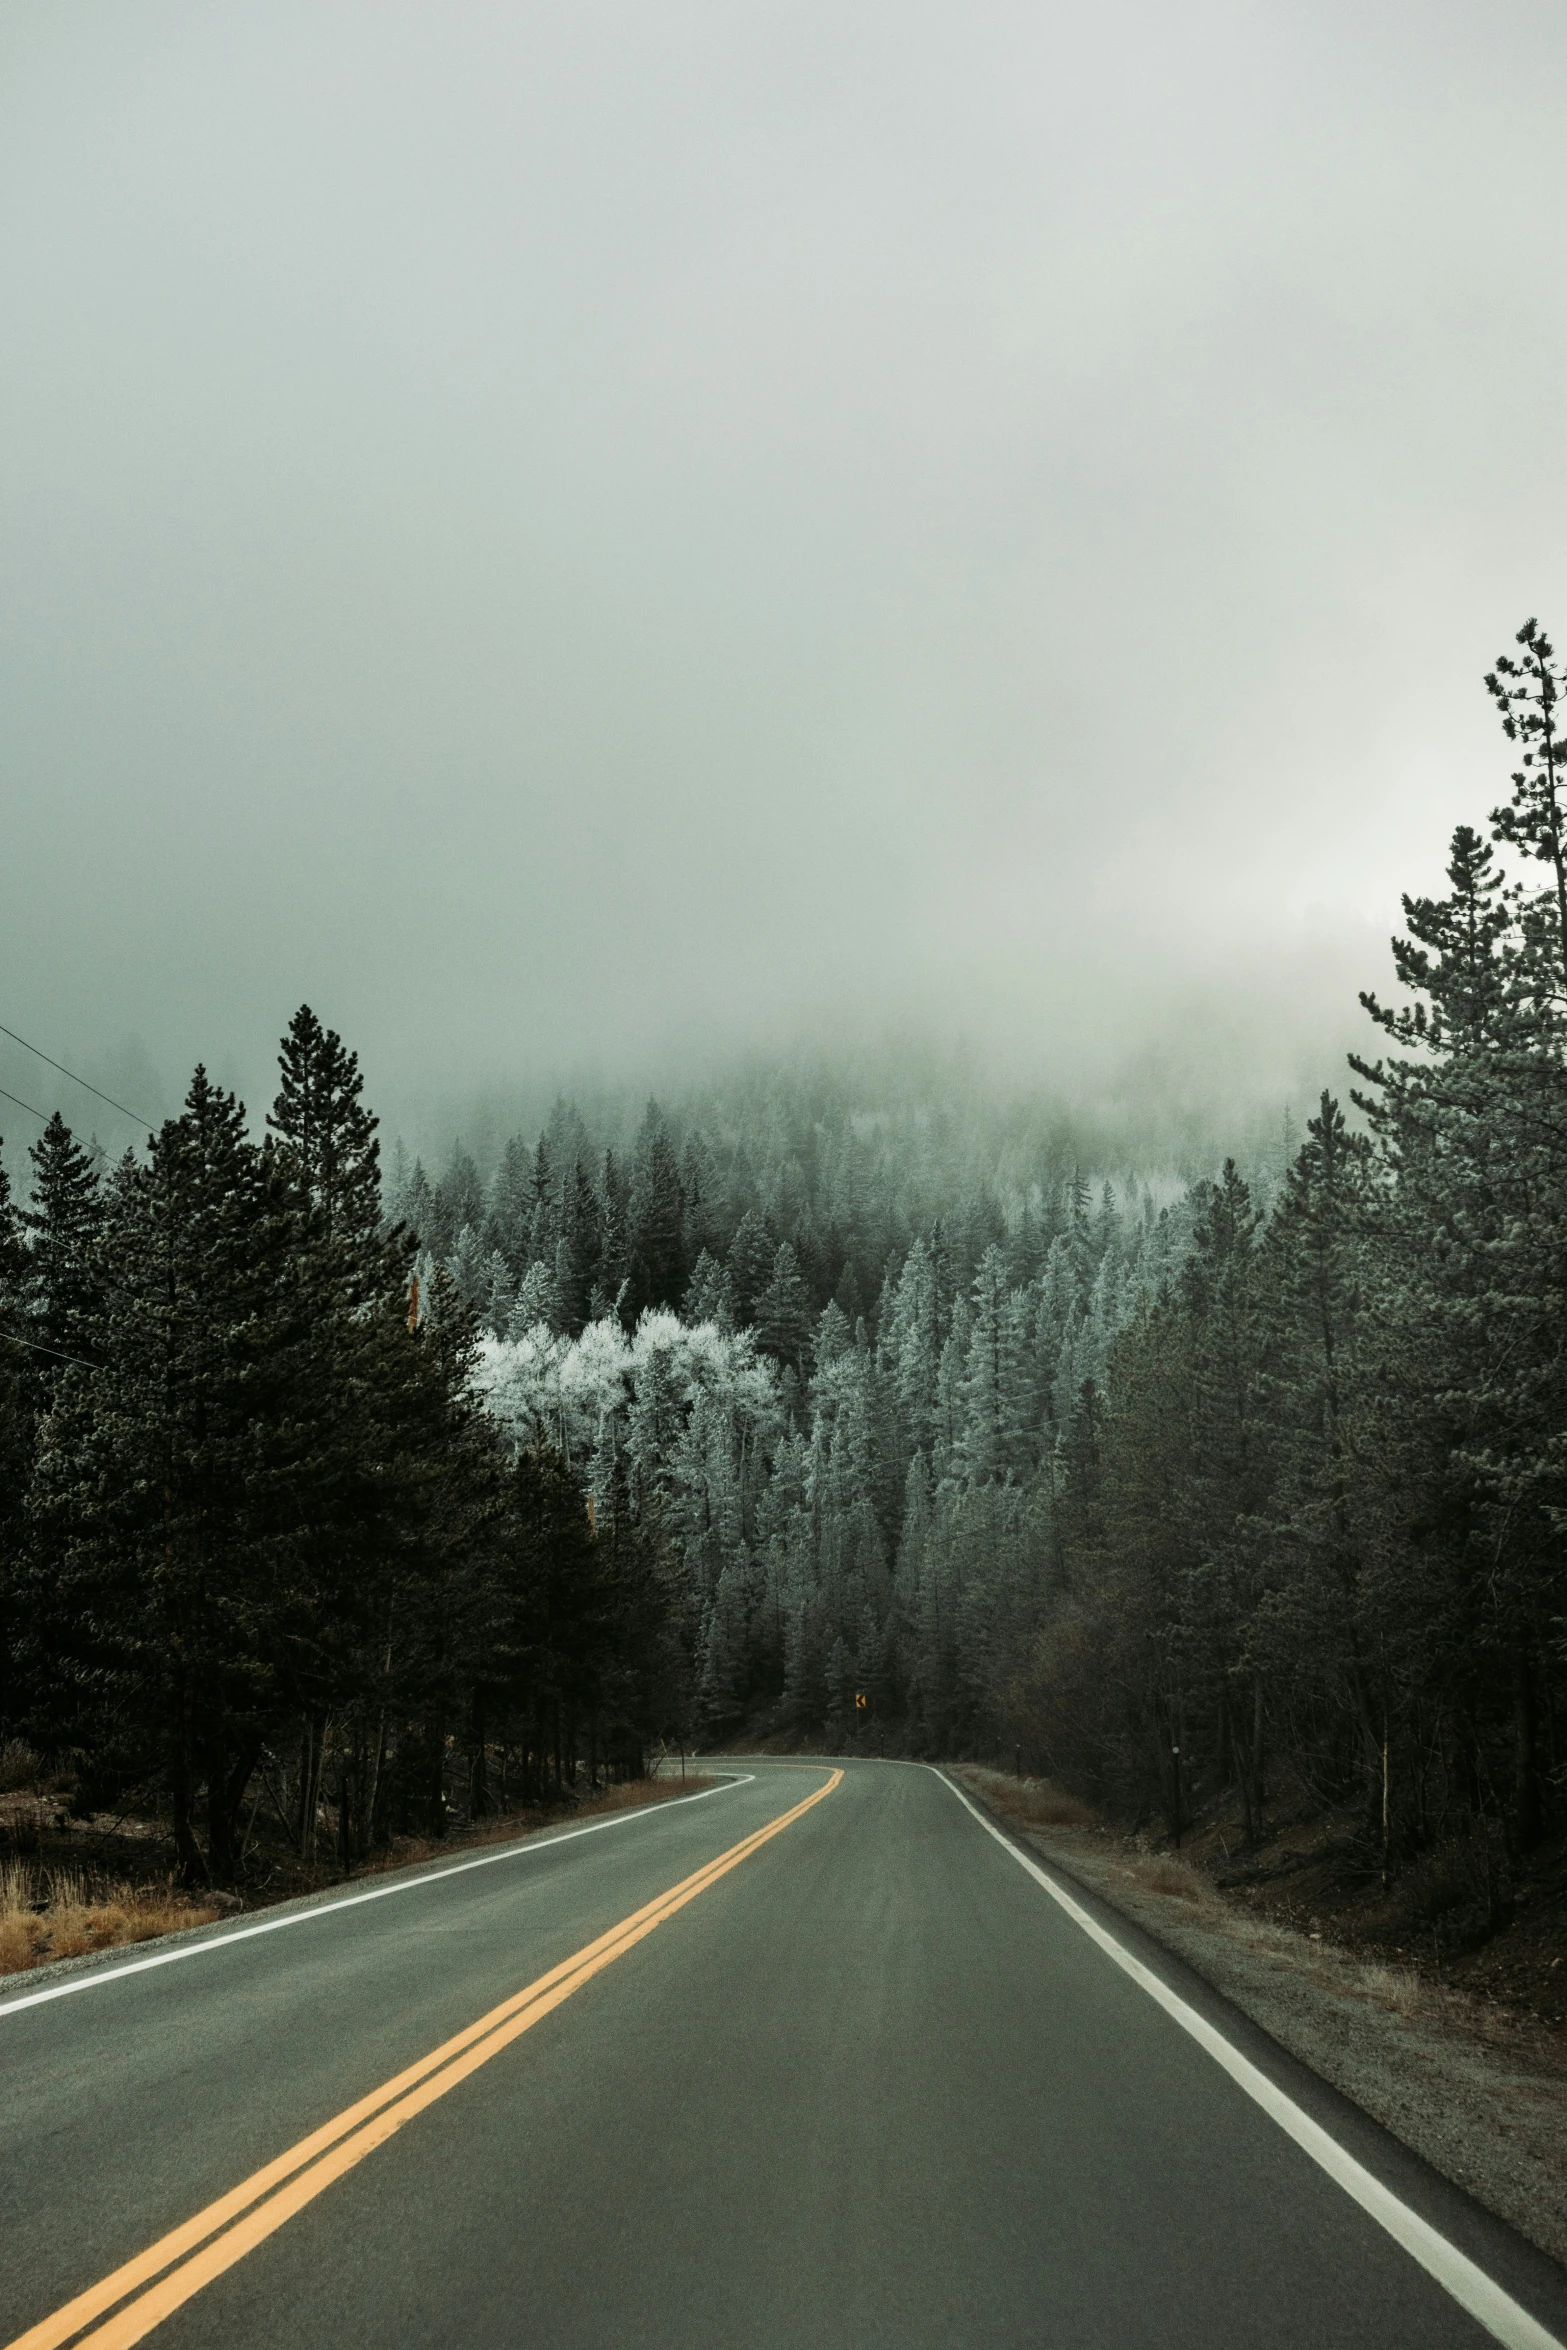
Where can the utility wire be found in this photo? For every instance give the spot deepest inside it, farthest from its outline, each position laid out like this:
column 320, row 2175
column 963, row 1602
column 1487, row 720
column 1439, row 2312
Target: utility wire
column 134, row 1115
column 38, row 1347
column 41, row 1115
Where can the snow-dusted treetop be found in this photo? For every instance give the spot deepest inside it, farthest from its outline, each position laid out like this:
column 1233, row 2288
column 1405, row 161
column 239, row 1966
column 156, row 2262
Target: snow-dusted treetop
column 593, row 1395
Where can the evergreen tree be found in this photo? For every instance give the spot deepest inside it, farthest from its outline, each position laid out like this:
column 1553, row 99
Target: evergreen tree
column 17, row 1392
column 783, row 1313
column 751, row 1257
column 509, row 1206
column 1529, row 694
column 534, row 1304
column 62, row 1283
column 327, row 1138
column 709, row 1295
column 458, row 1203
column 613, row 1281
column 175, row 1481
column 658, row 1261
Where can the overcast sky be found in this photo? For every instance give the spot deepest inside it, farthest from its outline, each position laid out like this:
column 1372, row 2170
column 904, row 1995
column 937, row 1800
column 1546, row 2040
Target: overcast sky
column 568, row 534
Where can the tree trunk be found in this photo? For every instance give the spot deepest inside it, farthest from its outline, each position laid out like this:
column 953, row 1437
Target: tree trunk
column 438, row 1782
column 193, row 1866
column 1526, row 1778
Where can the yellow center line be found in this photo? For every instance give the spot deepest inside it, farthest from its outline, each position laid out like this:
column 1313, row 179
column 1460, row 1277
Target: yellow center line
column 201, row 2246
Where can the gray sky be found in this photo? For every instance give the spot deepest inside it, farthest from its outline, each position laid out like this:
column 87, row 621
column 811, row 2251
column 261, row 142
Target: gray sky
column 571, row 534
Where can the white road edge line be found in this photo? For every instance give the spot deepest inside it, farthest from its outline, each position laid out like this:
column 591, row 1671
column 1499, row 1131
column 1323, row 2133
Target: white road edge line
column 326, row 1909
column 1469, row 2286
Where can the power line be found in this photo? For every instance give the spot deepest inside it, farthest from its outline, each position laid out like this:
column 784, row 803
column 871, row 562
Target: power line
column 134, row 1115
column 41, row 1115
column 38, row 1347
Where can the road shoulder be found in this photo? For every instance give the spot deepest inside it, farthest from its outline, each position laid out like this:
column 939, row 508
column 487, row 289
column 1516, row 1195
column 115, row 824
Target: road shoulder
column 1472, row 2109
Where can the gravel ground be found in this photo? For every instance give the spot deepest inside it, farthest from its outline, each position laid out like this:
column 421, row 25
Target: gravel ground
column 1479, row 2097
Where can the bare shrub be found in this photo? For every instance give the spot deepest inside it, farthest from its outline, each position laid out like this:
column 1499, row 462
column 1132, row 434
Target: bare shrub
column 1171, row 1877
column 1032, row 1803
column 18, row 1767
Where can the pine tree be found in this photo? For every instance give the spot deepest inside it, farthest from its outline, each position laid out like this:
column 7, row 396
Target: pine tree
column 833, row 1339
column 17, row 1394
column 414, row 1205
column 983, row 1445
column 509, row 1206
column 327, row 1138
column 912, row 1343
column 612, row 1284
column 658, row 1262
column 1529, row 694
column 499, row 1296
column 534, row 1304
column 542, row 1226
column 458, row 1203
column 783, row 1313
column 699, row 1194
column 62, row 1284
column 751, row 1256
column 175, row 1477
column 709, row 1295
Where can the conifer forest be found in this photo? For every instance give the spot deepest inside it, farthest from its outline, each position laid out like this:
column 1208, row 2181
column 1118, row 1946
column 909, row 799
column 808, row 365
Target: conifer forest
column 392, row 1494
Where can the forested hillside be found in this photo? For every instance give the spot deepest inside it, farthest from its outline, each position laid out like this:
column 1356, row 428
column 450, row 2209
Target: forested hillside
column 797, row 1413
column 968, row 1450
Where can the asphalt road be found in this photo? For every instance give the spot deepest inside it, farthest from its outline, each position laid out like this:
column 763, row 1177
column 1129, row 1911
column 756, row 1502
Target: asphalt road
column 871, row 2085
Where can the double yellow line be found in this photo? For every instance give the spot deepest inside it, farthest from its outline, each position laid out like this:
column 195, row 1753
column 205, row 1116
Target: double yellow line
column 168, row 2273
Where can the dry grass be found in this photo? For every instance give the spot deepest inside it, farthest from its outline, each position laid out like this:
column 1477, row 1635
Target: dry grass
column 1172, row 1877
column 1028, row 1803
column 59, row 1912
column 56, row 1913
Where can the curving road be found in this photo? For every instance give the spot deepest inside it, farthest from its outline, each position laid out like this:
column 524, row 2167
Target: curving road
column 816, row 2059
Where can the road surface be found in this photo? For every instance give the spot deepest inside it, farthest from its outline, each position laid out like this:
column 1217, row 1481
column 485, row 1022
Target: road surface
column 747, row 2072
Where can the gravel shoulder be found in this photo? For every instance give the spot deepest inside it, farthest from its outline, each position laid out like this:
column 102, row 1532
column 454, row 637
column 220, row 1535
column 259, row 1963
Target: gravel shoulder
column 1480, row 2096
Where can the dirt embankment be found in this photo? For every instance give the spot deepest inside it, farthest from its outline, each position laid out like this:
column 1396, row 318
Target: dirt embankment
column 1472, row 2080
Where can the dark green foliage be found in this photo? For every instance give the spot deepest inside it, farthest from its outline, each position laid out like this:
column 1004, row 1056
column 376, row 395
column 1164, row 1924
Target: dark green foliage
column 783, row 1313
column 657, row 1218
column 63, row 1275
column 1321, row 1529
column 710, row 1295
column 18, row 1390
column 260, row 1538
column 752, row 1254
column 175, row 1484
column 326, row 1137
column 613, row 1262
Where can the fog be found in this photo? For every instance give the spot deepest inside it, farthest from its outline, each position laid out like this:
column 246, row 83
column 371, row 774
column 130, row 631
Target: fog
column 585, row 540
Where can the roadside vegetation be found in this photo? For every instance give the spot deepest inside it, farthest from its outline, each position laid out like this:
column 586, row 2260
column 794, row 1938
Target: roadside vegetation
column 270, row 1576
column 93, row 1884
column 59, row 1913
